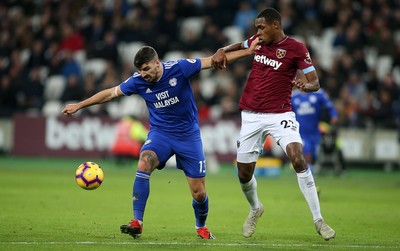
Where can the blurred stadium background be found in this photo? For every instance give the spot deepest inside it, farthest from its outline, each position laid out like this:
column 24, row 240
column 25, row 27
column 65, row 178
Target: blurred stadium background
column 55, row 52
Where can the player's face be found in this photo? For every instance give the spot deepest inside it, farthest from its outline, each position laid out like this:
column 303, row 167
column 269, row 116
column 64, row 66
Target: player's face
column 266, row 32
column 151, row 71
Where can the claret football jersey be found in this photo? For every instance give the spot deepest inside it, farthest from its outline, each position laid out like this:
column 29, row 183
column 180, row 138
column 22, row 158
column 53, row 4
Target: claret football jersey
column 268, row 88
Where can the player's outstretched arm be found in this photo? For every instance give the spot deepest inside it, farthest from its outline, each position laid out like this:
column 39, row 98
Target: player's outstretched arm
column 219, row 59
column 98, row 98
column 231, row 56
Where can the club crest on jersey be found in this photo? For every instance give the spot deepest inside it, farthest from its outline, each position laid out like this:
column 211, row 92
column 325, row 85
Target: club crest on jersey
column 280, row 53
column 173, row 81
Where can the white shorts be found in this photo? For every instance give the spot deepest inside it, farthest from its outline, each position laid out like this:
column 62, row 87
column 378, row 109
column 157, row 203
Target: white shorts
column 283, row 127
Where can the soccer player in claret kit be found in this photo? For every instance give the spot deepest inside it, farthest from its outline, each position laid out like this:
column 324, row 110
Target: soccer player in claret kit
column 174, row 128
column 266, row 110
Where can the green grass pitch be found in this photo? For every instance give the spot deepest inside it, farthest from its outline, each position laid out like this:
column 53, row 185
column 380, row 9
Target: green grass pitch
column 42, row 208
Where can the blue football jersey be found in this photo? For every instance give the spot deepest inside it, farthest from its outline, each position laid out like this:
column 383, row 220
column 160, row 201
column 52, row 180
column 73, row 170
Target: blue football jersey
column 170, row 101
column 308, row 107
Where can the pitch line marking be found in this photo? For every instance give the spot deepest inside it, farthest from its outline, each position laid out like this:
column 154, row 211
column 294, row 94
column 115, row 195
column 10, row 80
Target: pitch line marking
column 197, row 244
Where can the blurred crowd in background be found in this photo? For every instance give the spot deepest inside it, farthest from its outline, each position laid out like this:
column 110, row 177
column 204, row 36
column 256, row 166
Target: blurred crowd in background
column 53, row 52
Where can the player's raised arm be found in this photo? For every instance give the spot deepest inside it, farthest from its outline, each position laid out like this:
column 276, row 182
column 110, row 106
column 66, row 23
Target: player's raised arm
column 230, row 56
column 219, row 59
column 98, row 98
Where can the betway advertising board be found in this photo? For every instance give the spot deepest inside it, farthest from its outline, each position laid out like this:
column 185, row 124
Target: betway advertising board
column 93, row 136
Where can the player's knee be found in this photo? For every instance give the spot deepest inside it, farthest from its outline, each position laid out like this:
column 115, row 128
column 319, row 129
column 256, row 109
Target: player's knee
column 148, row 161
column 199, row 195
column 245, row 174
column 299, row 164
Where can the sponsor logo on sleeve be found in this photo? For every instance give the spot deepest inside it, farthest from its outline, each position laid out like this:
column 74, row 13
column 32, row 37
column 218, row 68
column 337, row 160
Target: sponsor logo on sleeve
column 191, row 60
column 308, row 58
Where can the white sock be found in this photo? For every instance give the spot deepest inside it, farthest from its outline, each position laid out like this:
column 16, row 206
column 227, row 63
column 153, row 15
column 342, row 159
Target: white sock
column 307, row 187
column 250, row 191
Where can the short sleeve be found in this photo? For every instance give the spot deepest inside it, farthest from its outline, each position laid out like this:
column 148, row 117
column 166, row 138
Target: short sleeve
column 248, row 42
column 128, row 87
column 303, row 59
column 190, row 67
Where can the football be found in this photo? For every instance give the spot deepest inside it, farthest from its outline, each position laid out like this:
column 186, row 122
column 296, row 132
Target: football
column 89, row 175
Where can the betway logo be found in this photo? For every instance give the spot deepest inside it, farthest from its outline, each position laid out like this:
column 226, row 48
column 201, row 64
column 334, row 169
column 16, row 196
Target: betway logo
column 89, row 134
column 264, row 60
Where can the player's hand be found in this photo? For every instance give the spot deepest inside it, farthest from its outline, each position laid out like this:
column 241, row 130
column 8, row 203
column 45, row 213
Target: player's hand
column 254, row 45
column 70, row 109
column 299, row 84
column 219, row 60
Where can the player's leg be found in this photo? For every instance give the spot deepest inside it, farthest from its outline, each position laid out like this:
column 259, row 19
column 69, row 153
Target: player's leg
column 200, row 206
column 190, row 158
column 154, row 154
column 250, row 144
column 308, row 188
column 249, row 188
column 248, row 183
column 310, row 151
column 289, row 139
column 148, row 161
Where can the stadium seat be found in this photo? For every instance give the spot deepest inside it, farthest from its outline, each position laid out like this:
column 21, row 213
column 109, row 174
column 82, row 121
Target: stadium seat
column 44, row 73
column 173, row 55
column 25, row 55
column 52, row 108
column 191, row 26
column 207, row 87
column 233, row 33
column 114, row 109
column 323, row 45
column 371, row 57
column 383, row 66
column 127, row 51
column 80, row 57
column 197, row 54
column 54, row 87
column 133, row 105
column 95, row 65
column 396, row 36
column 396, row 75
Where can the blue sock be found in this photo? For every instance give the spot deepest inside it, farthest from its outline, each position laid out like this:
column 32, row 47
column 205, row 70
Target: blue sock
column 200, row 212
column 140, row 194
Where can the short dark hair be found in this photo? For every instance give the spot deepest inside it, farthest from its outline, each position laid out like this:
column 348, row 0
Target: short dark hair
column 144, row 55
column 270, row 15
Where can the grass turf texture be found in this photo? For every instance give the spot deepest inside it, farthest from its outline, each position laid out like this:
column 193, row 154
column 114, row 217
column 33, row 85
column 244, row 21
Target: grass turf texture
column 42, row 208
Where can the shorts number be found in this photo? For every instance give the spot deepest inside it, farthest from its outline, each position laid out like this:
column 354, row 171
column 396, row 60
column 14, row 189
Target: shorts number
column 202, row 165
column 287, row 123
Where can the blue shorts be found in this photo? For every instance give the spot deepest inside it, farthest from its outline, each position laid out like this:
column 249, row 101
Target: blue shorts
column 310, row 145
column 188, row 152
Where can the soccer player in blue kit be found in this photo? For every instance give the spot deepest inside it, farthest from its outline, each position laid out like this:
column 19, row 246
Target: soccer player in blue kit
column 174, row 127
column 308, row 107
